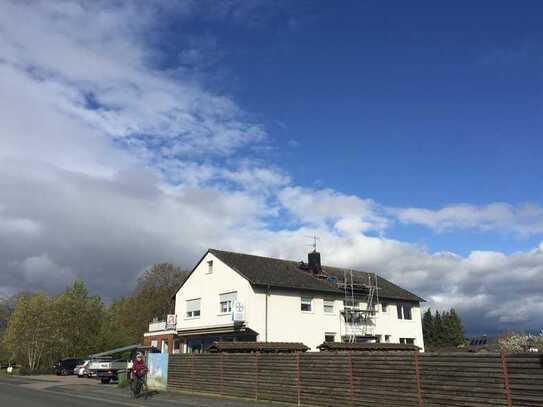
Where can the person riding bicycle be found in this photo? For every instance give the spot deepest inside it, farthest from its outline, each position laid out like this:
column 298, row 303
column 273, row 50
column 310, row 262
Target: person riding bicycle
column 139, row 369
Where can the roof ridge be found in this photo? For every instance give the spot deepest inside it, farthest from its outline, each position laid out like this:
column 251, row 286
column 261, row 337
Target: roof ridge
column 290, row 261
column 255, row 276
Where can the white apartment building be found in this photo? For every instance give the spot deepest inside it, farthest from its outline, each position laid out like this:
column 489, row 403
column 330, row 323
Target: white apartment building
column 239, row 297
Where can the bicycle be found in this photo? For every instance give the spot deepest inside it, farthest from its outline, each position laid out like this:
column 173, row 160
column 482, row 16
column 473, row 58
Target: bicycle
column 137, row 386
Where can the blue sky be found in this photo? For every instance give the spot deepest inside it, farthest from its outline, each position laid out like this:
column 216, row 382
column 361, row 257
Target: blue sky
column 410, row 104
column 405, row 135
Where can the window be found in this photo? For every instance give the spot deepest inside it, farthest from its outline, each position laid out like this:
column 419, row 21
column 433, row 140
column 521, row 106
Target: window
column 378, row 338
column 329, row 337
column 404, row 311
column 387, row 338
column 329, row 306
column 407, row 341
column 407, row 312
column 193, row 308
column 306, row 304
column 210, row 267
column 384, row 306
column 226, row 302
column 154, row 343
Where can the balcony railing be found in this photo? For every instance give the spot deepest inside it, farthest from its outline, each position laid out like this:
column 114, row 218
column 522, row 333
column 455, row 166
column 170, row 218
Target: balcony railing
column 157, row 326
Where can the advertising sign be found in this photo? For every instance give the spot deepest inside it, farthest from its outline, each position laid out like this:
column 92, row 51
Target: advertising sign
column 238, row 314
column 171, row 321
column 157, row 376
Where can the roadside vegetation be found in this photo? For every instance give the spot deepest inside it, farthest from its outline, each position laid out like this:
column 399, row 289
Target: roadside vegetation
column 37, row 329
column 442, row 330
column 520, row 341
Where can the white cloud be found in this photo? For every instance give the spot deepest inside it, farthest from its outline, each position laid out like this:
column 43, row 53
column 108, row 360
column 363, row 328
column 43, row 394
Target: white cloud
column 325, row 205
column 18, row 226
column 524, row 219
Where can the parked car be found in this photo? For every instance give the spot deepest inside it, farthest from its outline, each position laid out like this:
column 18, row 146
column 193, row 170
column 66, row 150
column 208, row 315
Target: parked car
column 107, row 367
column 82, row 369
column 66, row 366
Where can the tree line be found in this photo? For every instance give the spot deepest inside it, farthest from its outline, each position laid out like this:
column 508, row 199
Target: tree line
column 37, row 329
column 443, row 329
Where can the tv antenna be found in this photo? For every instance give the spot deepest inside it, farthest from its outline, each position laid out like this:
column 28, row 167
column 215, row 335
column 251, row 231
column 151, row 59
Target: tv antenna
column 314, row 238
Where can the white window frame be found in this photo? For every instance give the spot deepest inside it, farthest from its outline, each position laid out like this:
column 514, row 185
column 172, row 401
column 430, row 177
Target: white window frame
column 306, row 301
column 193, row 312
column 209, row 267
column 228, row 300
column 326, row 305
column 405, row 341
column 332, row 334
column 401, row 314
column 387, row 338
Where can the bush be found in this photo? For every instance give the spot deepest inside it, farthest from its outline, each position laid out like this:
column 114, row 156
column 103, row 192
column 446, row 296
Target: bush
column 122, row 379
column 24, row 371
column 515, row 342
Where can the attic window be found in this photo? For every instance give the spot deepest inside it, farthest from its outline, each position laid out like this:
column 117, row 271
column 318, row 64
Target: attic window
column 210, row 267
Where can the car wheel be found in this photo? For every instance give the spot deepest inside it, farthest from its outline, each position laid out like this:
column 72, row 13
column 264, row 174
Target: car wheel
column 64, row 372
column 105, row 381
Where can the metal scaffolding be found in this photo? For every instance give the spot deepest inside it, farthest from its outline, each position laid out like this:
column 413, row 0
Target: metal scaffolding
column 359, row 307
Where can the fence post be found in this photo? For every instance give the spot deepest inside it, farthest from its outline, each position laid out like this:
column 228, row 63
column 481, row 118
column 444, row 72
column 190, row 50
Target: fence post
column 298, row 379
column 257, row 356
column 192, row 372
column 351, row 381
column 505, row 375
column 221, row 373
column 417, row 374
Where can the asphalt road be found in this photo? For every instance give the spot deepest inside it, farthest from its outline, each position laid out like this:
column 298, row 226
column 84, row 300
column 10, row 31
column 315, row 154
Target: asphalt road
column 26, row 392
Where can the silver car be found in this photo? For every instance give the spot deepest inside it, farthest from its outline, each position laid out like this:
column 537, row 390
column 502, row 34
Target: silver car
column 82, row 370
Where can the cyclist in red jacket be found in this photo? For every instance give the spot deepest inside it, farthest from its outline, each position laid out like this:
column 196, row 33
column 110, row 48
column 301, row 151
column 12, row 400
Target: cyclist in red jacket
column 139, row 369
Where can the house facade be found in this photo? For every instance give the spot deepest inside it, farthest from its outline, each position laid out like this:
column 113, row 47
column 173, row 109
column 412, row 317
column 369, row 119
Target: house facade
column 239, row 297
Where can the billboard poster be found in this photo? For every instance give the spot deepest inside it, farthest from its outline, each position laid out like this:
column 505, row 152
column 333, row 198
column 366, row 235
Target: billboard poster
column 157, row 376
column 171, row 321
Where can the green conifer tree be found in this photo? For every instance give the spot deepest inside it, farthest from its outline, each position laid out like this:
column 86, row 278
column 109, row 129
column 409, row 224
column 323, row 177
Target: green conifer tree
column 439, row 330
column 457, row 328
column 428, row 328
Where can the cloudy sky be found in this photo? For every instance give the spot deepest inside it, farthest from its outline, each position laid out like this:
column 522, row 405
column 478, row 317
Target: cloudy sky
column 408, row 139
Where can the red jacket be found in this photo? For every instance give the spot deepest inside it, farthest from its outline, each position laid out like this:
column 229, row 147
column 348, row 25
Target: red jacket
column 138, row 368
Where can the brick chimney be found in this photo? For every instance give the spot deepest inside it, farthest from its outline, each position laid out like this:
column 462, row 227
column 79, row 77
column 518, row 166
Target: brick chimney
column 314, row 262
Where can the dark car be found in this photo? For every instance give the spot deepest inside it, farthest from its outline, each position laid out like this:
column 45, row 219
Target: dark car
column 65, row 367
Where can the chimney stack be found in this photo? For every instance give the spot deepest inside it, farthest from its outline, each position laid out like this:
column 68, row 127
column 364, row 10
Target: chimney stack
column 314, row 262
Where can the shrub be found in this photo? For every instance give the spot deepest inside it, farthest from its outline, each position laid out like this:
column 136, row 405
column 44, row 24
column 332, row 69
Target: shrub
column 519, row 342
column 122, row 380
column 24, row 371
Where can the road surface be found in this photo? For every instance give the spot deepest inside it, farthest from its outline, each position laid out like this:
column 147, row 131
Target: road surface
column 72, row 392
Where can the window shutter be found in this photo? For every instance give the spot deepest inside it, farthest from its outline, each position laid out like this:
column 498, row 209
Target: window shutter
column 193, row 305
column 228, row 297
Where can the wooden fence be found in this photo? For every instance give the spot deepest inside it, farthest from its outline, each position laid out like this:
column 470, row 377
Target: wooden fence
column 356, row 379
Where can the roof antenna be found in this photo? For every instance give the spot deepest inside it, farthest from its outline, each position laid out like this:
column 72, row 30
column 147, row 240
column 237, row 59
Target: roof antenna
column 314, row 244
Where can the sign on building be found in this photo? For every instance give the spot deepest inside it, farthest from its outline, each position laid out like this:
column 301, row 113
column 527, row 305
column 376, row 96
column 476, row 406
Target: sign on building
column 171, row 321
column 238, row 314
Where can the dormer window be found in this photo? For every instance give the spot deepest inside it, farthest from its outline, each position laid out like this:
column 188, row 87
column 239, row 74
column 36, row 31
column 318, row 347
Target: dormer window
column 210, row 267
